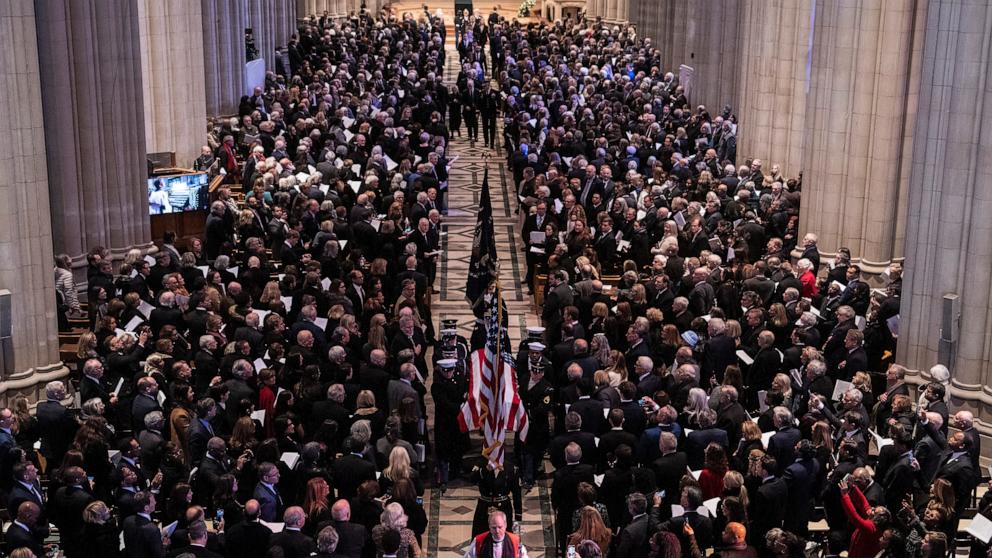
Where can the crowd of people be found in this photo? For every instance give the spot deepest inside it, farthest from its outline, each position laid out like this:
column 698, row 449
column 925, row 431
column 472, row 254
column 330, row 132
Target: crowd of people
column 701, row 379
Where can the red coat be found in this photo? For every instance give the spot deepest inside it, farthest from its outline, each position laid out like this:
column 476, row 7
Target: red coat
column 864, row 539
column 808, row 281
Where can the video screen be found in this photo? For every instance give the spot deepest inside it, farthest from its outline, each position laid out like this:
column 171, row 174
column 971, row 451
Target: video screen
column 175, row 194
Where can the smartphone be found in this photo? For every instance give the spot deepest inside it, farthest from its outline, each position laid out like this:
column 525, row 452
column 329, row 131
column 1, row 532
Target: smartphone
column 571, row 551
column 660, row 494
column 420, row 501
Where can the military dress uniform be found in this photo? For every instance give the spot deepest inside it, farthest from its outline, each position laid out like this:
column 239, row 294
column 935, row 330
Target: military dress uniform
column 539, row 400
column 499, row 489
column 452, row 346
column 450, row 443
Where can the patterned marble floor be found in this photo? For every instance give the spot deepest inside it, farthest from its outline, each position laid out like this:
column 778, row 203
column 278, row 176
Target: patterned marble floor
column 450, row 515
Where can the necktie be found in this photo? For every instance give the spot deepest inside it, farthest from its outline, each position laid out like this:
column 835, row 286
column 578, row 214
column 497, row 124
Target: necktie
column 37, row 494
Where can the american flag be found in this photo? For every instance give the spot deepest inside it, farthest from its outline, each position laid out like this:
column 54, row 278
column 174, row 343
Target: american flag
column 493, row 403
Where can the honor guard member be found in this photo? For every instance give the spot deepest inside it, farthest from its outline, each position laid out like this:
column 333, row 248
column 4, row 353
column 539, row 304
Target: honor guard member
column 499, row 490
column 535, row 334
column 449, row 391
column 538, row 398
column 452, row 346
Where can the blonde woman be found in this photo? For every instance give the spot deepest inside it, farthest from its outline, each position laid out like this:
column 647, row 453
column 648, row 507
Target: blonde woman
column 399, row 468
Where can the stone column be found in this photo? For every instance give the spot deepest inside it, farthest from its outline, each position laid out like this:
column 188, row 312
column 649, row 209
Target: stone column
column 774, row 53
column 261, row 20
column 702, row 34
column 273, row 22
column 172, row 77
column 860, row 113
column 285, row 16
column 949, row 240
column 90, row 60
column 26, row 242
column 224, row 23
column 623, row 13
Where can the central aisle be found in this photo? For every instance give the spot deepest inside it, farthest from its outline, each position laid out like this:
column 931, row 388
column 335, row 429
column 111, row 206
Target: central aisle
column 450, row 515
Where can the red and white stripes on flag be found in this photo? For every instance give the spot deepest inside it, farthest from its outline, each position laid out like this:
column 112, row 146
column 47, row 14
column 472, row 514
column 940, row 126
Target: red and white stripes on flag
column 493, row 404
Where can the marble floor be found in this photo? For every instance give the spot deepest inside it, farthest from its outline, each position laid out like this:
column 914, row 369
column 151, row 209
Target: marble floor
column 450, row 515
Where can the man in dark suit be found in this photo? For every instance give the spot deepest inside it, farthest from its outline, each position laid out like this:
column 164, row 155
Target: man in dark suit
column 248, row 539
column 605, row 243
column 353, row 538
column 702, row 525
column 782, row 444
column 267, row 492
column 720, row 352
column 801, row 478
column 573, row 433
column 634, row 418
column 91, row 384
column 697, row 440
column 294, row 543
column 144, row 402
column 139, row 283
column 634, row 537
column 833, row 349
column 142, row 539
column 24, row 532
column 197, row 534
column 216, row 231
column 559, row 296
column 470, row 114
column 856, row 360
column 730, row 414
column 647, row 381
column 55, row 422
column 66, row 507
column 351, row 469
column 671, row 466
column 770, row 501
column 899, row 480
column 591, row 410
column 965, row 422
column 638, row 346
column 307, row 321
column 767, row 363
column 331, row 408
column 615, row 436
column 419, row 279
column 399, row 389
column 958, row 470
column 373, row 376
column 564, row 487
column 929, row 449
column 151, row 442
column 201, row 430
column 27, row 488
column 811, row 252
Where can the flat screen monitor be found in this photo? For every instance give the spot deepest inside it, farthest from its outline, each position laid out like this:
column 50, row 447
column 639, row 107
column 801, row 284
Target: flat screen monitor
column 177, row 193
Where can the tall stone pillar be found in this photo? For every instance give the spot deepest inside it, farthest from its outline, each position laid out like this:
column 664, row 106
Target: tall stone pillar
column 90, row 60
column 224, row 23
column 623, row 10
column 172, row 77
column 774, row 54
column 949, row 240
column 273, row 22
column 26, row 241
column 860, row 113
column 703, row 34
column 285, row 16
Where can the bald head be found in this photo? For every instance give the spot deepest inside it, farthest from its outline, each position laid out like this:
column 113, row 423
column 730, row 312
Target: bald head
column 341, row 511
column 251, row 509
